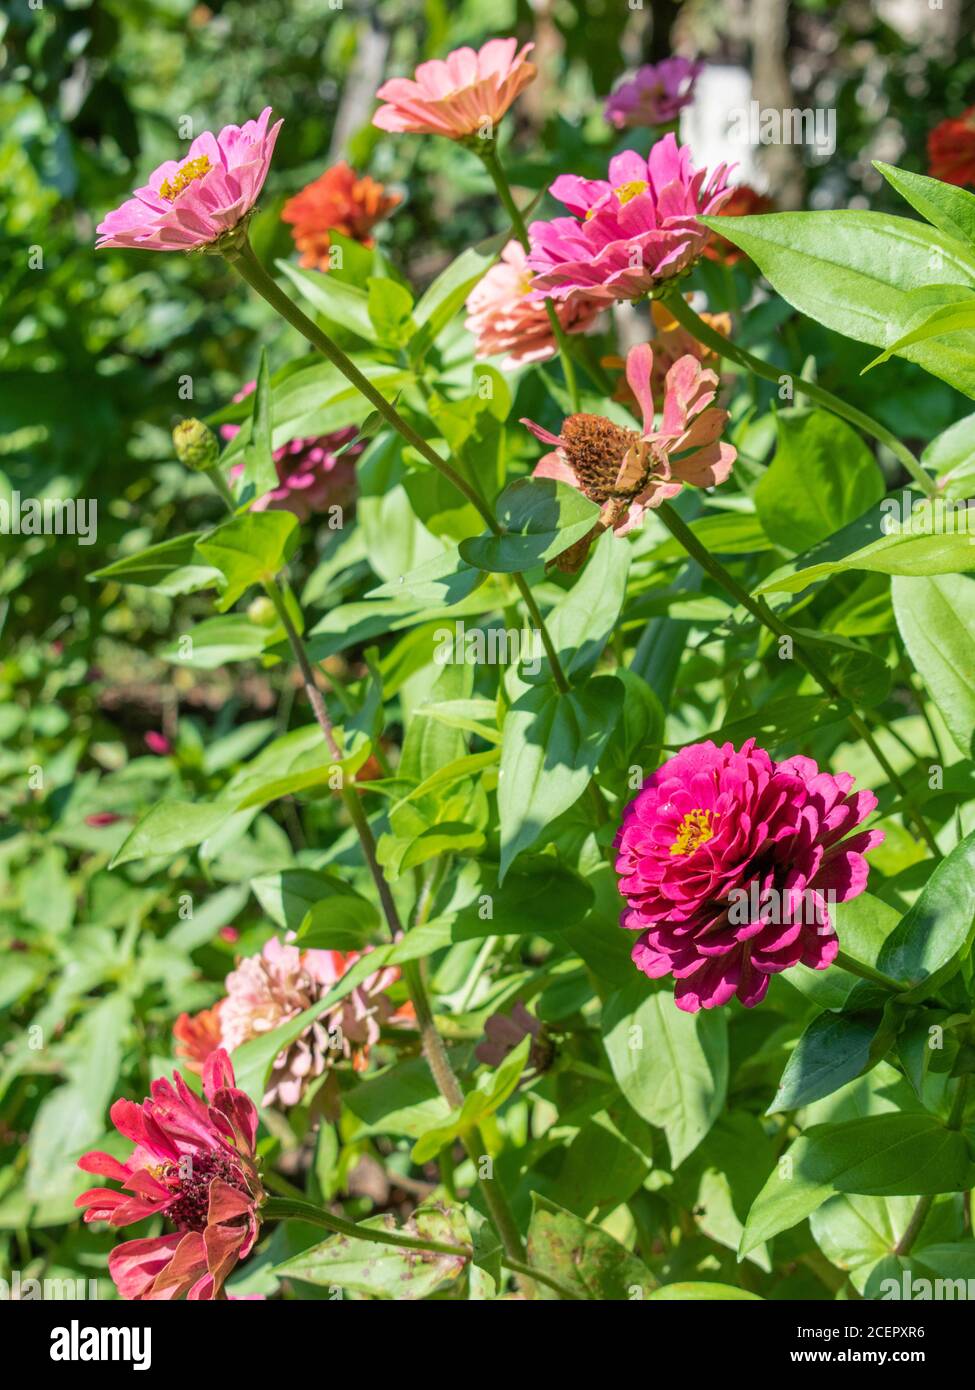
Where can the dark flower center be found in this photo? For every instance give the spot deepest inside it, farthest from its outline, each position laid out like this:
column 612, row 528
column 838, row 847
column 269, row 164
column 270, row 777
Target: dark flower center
column 191, row 1178
column 595, row 448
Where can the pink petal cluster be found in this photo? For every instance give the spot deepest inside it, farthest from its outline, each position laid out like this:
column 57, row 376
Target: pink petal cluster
column 271, row 988
column 728, row 862
column 194, row 1164
column 466, row 94
column 655, row 94
column 189, row 203
column 628, row 233
column 505, row 318
column 629, row 471
column 313, row 474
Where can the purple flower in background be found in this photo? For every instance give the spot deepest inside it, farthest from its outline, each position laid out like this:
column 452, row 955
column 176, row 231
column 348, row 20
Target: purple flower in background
column 654, row 95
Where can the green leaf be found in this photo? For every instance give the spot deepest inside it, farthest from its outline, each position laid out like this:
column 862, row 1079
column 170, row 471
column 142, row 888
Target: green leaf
column 439, row 582
column 448, row 293
column 494, row 1088
column 218, row 641
column 957, row 316
column 857, row 273
column 551, row 744
column 260, row 473
column 170, row 827
column 288, row 896
column 942, row 204
column 936, row 620
column 882, row 1155
column 832, row 1051
column 249, row 549
column 383, row 1271
column 390, row 307
column 671, row 1066
column 540, row 518
column 707, row 1293
column 822, row 477
column 951, row 456
column 583, row 621
column 582, row 1257
column 342, row 304
column 168, row 567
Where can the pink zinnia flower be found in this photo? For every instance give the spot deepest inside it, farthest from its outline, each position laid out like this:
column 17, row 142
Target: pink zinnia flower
column 194, row 1164
column 629, row 232
column 191, row 202
column 313, row 474
column 462, row 96
column 629, row 471
column 158, row 743
column 269, row 989
column 504, row 317
column 728, row 862
column 654, row 95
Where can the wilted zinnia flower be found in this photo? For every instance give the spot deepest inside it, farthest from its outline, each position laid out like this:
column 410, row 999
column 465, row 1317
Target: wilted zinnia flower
column 627, row 233
column 504, row 1032
column 194, row 1164
column 628, row 471
column 465, row 95
column 313, row 474
column 271, row 988
column 340, row 200
column 654, row 95
column 728, row 862
column 504, row 317
column 192, row 202
column 744, row 202
column 951, row 149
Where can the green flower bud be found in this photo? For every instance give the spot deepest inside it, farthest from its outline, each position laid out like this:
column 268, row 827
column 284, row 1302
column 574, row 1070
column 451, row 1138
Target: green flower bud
column 262, row 612
column 196, row 445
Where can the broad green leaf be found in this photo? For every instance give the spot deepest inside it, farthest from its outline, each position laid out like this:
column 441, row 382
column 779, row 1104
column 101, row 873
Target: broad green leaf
column 584, row 1258
column 671, row 1066
column 958, row 316
column 249, row 549
column 551, row 744
column 390, row 306
column 706, row 1293
column 260, row 474
column 951, row 456
column 822, row 477
column 857, row 273
column 863, row 925
column 493, row 1089
column 439, row 582
column 342, row 303
column 936, row 620
column 582, row 623
column 855, row 1233
column 942, row 204
column 170, row 827
column 883, row 1155
column 218, row 641
column 832, row 1051
column 169, row 567
column 539, row 518
column 288, row 896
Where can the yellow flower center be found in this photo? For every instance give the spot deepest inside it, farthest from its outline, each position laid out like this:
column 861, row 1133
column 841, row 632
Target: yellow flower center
column 628, row 191
column 695, row 830
column 170, row 189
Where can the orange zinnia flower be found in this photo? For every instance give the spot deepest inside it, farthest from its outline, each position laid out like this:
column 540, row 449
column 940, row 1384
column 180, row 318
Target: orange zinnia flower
column 337, row 201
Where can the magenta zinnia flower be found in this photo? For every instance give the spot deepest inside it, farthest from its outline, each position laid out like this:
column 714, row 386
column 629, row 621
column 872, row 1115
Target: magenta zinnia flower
column 729, row 861
column 629, row 232
column 460, row 97
column 654, row 95
column 190, row 203
column 194, row 1164
column 504, row 317
column 628, row 471
column 313, row 474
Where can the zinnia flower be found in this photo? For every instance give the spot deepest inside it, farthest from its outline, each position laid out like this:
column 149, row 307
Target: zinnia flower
column 671, row 340
column 194, row 1164
column 313, row 474
column 504, row 317
column 340, row 200
column 654, row 95
column 269, row 989
column 465, row 95
column 197, row 1037
column 504, row 1031
column 192, row 202
column 728, row 862
column 628, row 471
column 951, row 149
column 744, row 202
column 629, row 232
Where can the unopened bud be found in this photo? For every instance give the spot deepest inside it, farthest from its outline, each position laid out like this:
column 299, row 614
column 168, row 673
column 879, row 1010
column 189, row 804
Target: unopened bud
column 262, row 612
column 196, row 445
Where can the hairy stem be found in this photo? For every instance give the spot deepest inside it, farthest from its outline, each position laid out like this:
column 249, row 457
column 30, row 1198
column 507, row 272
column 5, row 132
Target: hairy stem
column 288, row 1208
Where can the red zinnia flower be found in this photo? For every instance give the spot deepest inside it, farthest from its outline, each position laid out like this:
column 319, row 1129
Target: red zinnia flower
column 951, row 149
column 340, row 200
column 193, row 1163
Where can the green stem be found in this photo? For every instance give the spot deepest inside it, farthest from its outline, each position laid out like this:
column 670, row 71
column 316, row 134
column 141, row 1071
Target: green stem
column 718, row 343
column 867, row 972
column 556, row 1285
column 925, row 1203
column 249, row 268
column 289, row 1209
column 487, row 150
column 679, row 529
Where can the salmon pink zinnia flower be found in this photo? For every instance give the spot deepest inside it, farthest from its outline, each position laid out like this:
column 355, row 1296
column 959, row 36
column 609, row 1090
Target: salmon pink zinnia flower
column 951, row 149
column 194, row 1164
column 627, row 233
column 728, row 862
column 340, row 200
column 504, row 317
column 654, row 95
column 463, row 96
column 189, row 203
column 628, row 471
